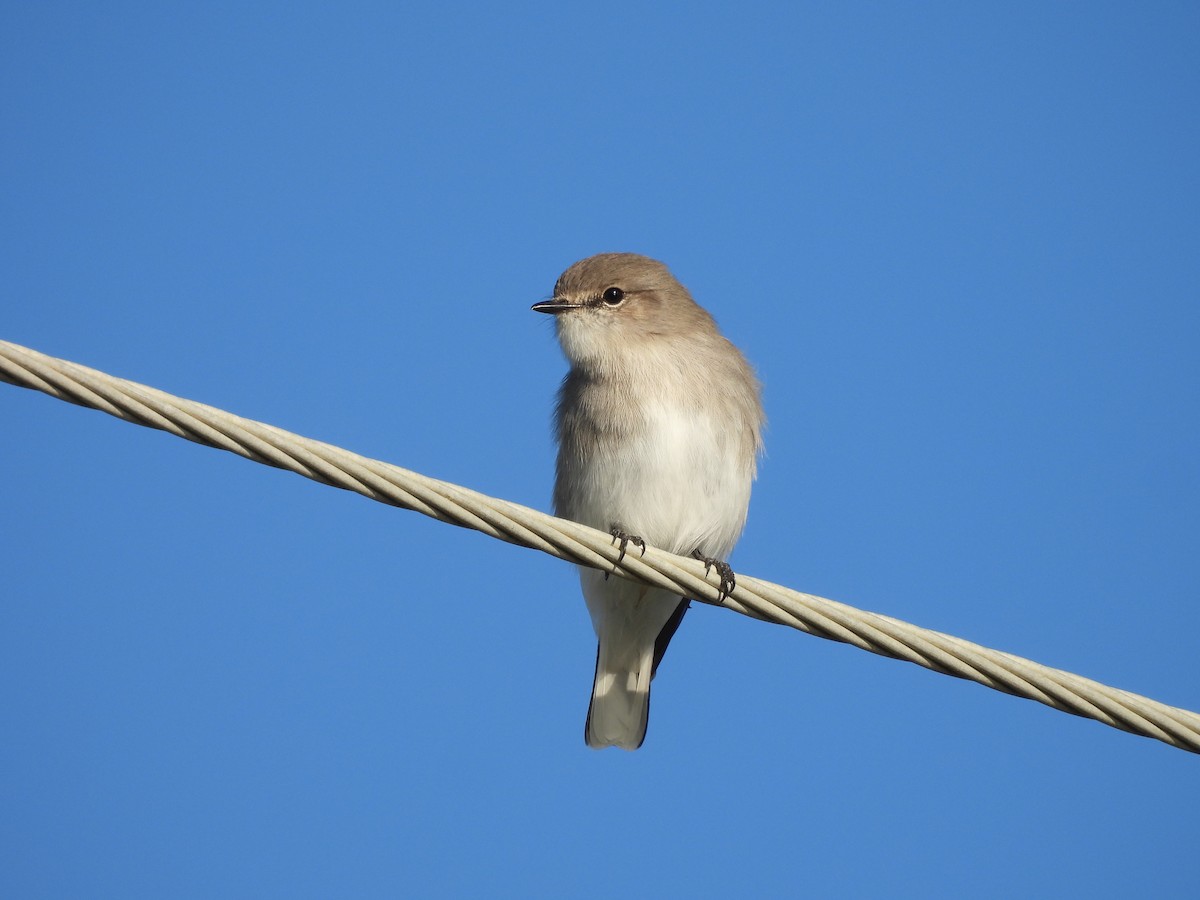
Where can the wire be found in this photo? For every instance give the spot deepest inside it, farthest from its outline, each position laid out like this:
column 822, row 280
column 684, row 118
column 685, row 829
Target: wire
column 586, row 546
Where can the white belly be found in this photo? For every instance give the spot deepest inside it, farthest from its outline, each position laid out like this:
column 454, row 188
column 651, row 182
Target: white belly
column 679, row 484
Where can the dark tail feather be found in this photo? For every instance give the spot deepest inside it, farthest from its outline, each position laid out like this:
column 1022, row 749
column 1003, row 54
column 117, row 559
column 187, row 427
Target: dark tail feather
column 668, row 632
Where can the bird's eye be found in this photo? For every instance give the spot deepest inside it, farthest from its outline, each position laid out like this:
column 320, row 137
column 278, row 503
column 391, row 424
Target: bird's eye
column 613, row 296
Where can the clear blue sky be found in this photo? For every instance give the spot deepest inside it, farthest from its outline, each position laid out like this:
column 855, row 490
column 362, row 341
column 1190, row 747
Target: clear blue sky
column 960, row 244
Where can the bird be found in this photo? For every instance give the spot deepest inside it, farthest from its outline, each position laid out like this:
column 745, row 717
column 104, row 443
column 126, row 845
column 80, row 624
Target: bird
column 659, row 424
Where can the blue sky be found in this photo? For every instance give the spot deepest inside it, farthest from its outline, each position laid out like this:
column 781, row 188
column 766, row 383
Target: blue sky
column 959, row 243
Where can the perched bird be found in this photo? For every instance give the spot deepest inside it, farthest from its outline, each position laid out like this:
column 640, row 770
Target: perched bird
column 659, row 426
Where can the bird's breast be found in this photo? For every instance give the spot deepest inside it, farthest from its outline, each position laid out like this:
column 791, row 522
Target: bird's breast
column 665, row 470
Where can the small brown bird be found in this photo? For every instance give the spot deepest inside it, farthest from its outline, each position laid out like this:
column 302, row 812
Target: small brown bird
column 659, row 425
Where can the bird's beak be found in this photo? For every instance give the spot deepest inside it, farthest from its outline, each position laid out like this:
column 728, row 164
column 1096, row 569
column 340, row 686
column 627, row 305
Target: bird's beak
column 554, row 305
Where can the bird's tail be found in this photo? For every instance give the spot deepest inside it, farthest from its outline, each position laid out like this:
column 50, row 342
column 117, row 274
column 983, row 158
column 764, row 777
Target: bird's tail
column 620, row 707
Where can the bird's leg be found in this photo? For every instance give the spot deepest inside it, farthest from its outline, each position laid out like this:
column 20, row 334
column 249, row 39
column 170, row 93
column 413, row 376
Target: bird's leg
column 728, row 581
column 625, row 540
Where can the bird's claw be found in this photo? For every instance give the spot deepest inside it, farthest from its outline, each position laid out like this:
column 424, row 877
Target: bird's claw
column 724, row 571
column 625, row 540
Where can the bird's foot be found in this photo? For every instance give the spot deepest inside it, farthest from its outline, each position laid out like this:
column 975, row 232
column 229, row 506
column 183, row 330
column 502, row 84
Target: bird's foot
column 625, row 540
column 728, row 580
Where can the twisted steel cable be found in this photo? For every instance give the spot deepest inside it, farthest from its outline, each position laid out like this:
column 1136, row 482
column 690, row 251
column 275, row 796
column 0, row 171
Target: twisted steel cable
column 586, row 546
